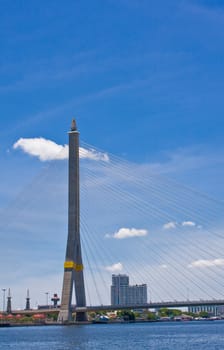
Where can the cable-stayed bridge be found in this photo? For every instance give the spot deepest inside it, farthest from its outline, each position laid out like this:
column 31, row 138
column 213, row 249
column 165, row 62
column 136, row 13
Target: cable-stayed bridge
column 164, row 234
column 134, row 220
column 153, row 305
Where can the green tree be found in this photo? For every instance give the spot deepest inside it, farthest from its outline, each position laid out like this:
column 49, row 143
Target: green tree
column 165, row 312
column 203, row 314
column 151, row 316
column 53, row 315
column 127, row 315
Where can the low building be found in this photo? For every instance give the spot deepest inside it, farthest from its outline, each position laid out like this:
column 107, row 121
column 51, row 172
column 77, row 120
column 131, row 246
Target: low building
column 212, row 310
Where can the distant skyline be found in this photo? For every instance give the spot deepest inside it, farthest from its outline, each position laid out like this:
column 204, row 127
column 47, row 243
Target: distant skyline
column 144, row 81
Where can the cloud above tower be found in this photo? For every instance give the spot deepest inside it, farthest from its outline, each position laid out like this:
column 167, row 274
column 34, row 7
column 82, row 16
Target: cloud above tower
column 169, row 225
column 172, row 225
column 47, row 150
column 117, row 267
column 125, row 232
column 207, row 263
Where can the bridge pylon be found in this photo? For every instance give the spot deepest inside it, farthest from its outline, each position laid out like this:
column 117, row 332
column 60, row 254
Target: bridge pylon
column 73, row 266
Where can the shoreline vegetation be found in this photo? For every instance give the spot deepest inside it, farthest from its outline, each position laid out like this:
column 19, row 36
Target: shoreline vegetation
column 55, row 323
column 125, row 316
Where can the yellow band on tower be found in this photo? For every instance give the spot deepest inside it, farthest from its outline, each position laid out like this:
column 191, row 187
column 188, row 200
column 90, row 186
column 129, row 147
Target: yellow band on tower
column 69, row 265
column 78, row 267
column 73, row 265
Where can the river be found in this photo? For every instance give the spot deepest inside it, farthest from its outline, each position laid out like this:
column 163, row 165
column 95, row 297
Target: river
column 195, row 335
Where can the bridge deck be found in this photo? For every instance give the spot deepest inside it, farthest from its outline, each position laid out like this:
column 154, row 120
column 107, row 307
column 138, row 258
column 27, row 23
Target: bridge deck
column 153, row 305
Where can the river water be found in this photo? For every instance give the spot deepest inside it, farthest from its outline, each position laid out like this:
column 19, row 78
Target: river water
column 194, row 335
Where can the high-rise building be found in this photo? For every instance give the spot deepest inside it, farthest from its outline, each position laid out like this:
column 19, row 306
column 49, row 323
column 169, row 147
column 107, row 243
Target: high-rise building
column 137, row 294
column 124, row 294
column 119, row 287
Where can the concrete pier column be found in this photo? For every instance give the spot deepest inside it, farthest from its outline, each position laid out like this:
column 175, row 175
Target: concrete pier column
column 73, row 266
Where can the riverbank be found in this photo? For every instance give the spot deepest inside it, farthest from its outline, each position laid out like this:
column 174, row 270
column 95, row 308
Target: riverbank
column 110, row 322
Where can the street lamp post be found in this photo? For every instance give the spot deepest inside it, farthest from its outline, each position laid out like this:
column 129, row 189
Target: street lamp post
column 3, row 289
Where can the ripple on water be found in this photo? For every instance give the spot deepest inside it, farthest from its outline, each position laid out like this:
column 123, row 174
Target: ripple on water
column 154, row 336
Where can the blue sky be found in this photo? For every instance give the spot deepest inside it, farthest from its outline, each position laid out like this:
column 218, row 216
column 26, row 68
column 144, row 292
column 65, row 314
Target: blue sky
column 144, row 80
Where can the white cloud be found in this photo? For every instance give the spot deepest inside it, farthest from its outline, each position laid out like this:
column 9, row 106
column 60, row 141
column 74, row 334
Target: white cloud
column 164, row 266
column 172, row 224
column 92, row 154
column 115, row 267
column 43, row 149
column 169, row 225
column 47, row 150
column 129, row 232
column 188, row 223
column 207, row 263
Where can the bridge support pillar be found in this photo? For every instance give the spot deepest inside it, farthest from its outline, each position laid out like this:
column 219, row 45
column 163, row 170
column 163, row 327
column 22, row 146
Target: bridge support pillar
column 73, row 267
